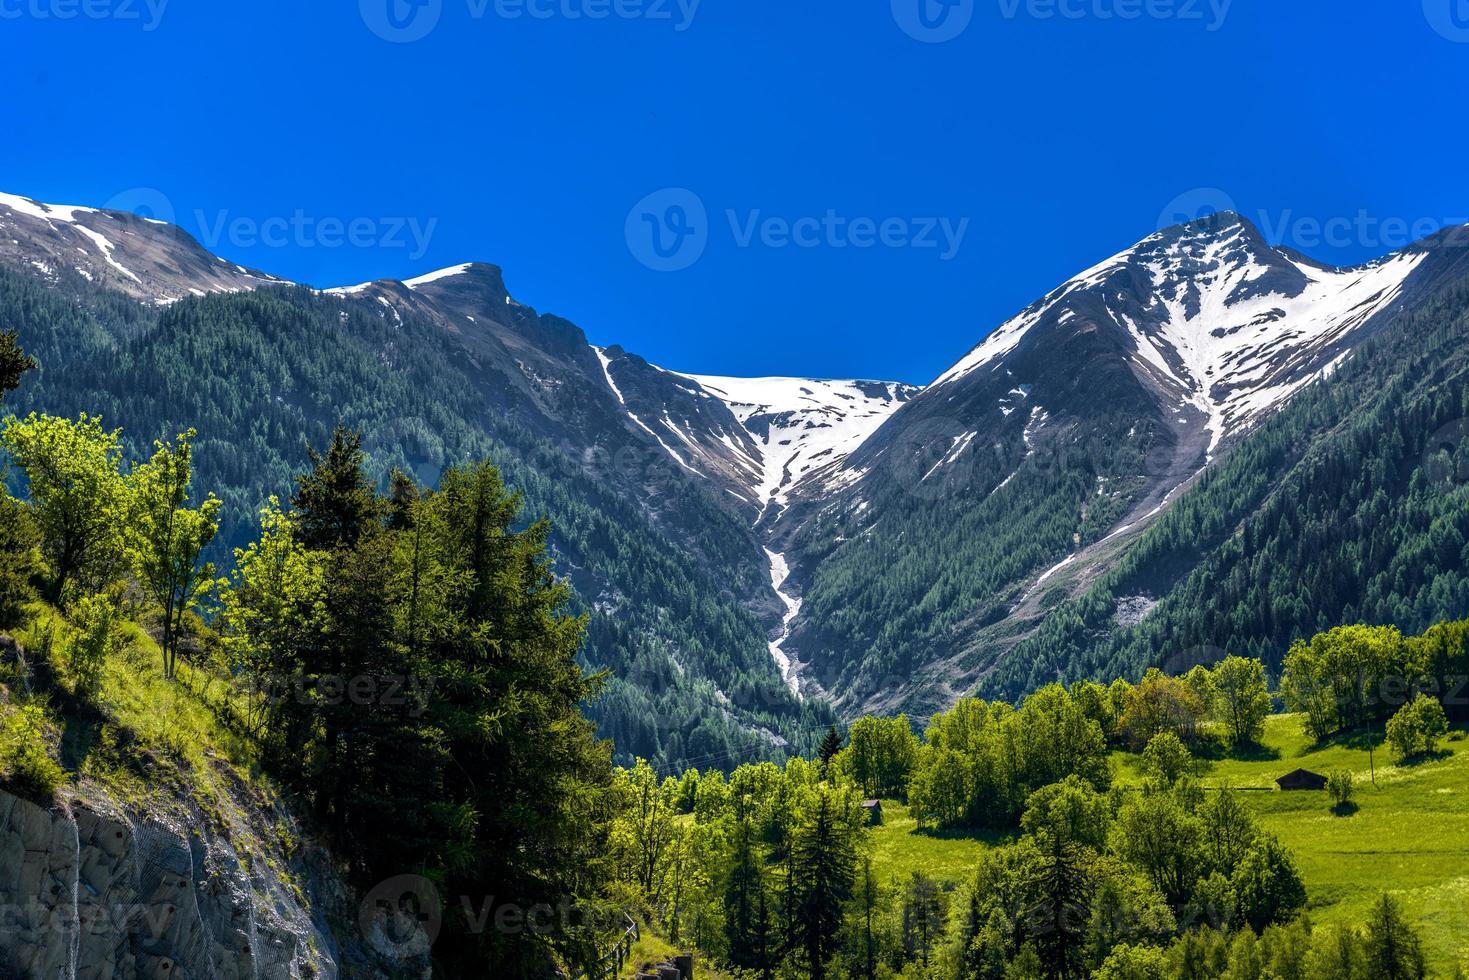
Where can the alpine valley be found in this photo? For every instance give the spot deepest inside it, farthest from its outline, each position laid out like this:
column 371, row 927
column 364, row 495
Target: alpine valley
column 1203, row 443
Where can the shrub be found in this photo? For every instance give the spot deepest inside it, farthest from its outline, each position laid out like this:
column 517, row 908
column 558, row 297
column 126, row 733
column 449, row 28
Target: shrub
column 1417, row 727
column 1167, row 759
column 25, row 765
column 1341, row 785
column 98, row 636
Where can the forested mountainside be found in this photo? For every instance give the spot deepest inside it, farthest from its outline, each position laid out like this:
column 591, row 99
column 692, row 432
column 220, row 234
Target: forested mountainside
column 944, row 558
column 1123, row 461
column 264, row 374
column 1351, row 505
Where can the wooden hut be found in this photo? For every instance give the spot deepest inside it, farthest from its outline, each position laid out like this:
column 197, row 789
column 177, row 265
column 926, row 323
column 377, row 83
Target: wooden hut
column 1302, row 779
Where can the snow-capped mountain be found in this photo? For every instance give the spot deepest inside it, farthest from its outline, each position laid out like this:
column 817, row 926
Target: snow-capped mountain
column 1221, row 322
column 866, row 527
column 1097, row 406
column 145, row 258
column 801, row 426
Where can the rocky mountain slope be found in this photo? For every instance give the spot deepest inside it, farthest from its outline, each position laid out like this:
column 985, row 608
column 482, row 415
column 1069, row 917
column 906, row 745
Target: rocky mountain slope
column 877, row 544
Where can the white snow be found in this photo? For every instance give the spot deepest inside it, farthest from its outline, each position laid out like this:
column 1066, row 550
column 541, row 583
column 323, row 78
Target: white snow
column 1230, row 354
column 607, row 373
column 454, row 270
column 779, row 572
column 1230, row 361
column 46, row 212
column 807, row 424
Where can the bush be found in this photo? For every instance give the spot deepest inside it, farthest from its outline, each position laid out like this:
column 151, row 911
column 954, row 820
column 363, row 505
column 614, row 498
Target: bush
column 1417, row 727
column 1167, row 759
column 98, row 636
column 1341, row 785
column 25, row 765
column 19, row 559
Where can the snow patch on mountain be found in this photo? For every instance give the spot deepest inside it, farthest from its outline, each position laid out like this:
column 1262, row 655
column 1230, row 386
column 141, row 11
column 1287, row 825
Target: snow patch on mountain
column 800, row 424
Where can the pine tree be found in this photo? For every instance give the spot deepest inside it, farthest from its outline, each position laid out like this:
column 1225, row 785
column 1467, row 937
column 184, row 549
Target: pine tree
column 14, row 362
column 1058, row 910
column 334, row 502
column 1394, row 950
column 747, row 925
column 824, row 866
column 830, row 745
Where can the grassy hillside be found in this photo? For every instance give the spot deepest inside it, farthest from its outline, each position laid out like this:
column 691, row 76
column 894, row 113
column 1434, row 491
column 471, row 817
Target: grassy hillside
column 1409, row 833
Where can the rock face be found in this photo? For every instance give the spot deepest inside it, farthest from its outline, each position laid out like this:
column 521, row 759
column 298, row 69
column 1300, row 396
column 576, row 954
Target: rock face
column 91, row 892
column 91, row 896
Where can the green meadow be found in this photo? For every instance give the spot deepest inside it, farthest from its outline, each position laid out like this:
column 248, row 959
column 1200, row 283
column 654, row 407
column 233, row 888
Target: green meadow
column 1408, row 832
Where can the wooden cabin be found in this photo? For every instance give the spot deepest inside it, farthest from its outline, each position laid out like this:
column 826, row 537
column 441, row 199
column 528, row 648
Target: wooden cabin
column 1302, row 779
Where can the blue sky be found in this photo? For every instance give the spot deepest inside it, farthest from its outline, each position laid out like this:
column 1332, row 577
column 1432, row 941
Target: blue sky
column 837, row 192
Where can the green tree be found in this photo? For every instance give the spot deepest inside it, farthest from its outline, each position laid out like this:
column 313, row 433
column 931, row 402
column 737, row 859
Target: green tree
column 334, row 500
column 168, row 539
column 1417, row 726
column 1059, row 886
column 748, row 925
column 97, row 636
column 1267, row 886
column 14, row 362
column 881, row 753
column 923, row 916
column 78, row 496
column 1167, row 759
column 272, row 609
column 831, row 744
column 19, row 558
column 1393, row 949
column 1241, row 698
column 1134, row 963
column 1340, row 785
column 1156, row 833
column 1071, row 812
column 823, row 866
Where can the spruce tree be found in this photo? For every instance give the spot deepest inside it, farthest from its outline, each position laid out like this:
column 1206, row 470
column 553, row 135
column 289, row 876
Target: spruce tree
column 824, row 866
column 334, row 502
column 830, row 745
column 14, row 362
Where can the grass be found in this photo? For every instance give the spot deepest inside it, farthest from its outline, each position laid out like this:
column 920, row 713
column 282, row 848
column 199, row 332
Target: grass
column 1409, row 833
column 900, row 847
column 654, row 949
